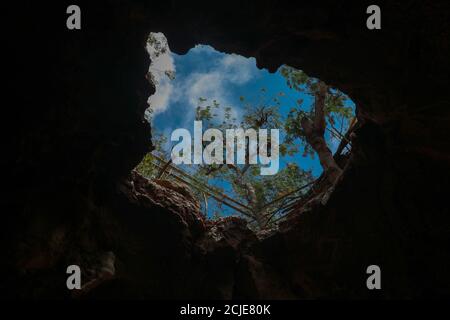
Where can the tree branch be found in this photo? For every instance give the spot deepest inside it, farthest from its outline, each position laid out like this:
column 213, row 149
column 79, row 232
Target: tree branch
column 319, row 108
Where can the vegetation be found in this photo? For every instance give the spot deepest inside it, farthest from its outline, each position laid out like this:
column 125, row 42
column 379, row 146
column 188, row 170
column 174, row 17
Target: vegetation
column 305, row 132
column 248, row 186
column 309, row 126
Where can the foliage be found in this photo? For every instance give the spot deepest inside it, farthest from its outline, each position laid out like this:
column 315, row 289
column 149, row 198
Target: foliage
column 336, row 111
column 157, row 46
column 248, row 186
column 146, row 167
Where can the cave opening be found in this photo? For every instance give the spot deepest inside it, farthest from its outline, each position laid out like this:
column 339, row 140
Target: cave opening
column 227, row 91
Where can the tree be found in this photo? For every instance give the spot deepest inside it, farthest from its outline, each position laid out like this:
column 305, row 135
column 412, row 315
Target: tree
column 146, row 167
column 249, row 187
column 309, row 125
column 304, row 125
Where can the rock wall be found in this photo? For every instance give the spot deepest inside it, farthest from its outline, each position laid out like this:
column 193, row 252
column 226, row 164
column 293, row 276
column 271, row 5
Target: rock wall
column 74, row 130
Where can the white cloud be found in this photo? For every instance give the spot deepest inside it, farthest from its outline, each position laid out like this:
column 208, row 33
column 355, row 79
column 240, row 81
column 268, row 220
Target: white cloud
column 237, row 69
column 215, row 83
column 205, row 85
column 160, row 64
column 160, row 100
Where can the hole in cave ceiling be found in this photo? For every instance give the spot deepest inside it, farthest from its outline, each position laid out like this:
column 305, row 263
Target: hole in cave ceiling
column 228, row 91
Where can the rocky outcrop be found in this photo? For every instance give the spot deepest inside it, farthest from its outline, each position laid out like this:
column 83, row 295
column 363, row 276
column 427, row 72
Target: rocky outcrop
column 74, row 130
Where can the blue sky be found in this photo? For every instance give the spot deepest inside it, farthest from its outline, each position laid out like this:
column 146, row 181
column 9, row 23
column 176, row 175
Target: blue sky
column 207, row 73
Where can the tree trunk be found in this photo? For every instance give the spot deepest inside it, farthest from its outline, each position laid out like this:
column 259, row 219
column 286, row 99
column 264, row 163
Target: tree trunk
column 315, row 135
column 258, row 212
column 252, row 201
